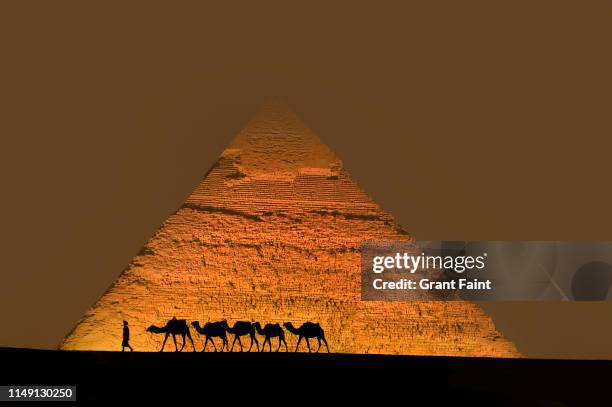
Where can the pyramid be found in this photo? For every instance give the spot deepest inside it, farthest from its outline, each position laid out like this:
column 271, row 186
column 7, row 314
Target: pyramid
column 273, row 234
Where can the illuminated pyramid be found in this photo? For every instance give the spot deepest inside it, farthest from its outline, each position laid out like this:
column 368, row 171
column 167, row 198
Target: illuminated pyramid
column 272, row 234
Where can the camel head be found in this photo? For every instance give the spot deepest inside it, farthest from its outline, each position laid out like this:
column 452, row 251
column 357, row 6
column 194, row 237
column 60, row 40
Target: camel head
column 151, row 328
column 196, row 324
column 288, row 325
column 256, row 325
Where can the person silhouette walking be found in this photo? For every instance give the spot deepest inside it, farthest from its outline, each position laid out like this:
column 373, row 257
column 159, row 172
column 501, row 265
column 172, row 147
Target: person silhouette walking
column 126, row 337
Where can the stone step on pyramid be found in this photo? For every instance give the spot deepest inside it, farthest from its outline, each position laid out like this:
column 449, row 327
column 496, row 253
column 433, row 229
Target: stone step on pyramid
column 272, row 234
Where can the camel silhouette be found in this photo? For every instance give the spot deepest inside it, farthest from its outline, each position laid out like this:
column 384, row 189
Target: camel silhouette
column 239, row 329
column 307, row 330
column 211, row 330
column 173, row 327
column 271, row 331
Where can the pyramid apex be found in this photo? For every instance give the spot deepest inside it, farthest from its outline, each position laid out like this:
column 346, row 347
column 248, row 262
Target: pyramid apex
column 276, row 140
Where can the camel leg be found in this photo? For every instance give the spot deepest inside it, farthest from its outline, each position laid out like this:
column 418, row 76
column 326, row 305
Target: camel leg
column 308, row 344
column 175, row 345
column 279, row 344
column 189, row 336
column 254, row 339
column 183, row 345
column 213, row 342
column 319, row 340
column 164, row 344
column 325, row 342
column 205, row 343
column 240, row 343
column 298, row 344
column 208, row 338
column 264, row 344
column 225, row 343
column 285, row 342
column 235, row 337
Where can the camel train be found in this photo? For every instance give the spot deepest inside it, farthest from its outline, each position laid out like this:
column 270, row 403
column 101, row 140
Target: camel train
column 220, row 329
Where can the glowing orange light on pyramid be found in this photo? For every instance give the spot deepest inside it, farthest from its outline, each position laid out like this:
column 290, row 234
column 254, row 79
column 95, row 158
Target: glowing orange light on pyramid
column 272, row 234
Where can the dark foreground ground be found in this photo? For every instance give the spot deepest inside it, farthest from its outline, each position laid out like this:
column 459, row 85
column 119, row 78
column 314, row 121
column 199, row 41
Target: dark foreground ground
column 309, row 379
